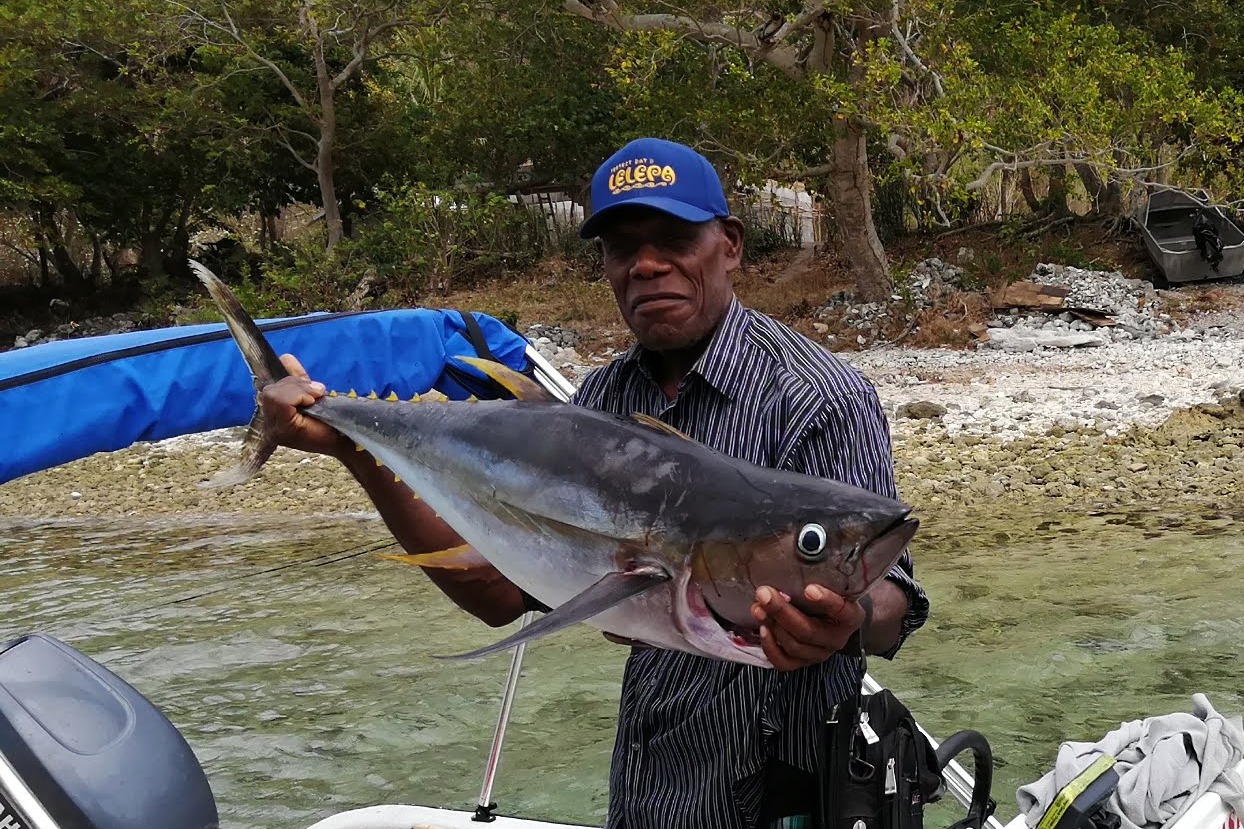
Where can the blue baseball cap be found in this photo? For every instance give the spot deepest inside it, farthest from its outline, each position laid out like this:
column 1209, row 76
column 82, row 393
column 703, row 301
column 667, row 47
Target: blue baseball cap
column 660, row 174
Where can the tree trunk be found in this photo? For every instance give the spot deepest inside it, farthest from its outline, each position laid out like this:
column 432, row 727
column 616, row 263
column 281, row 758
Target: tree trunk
column 153, row 255
column 1106, row 194
column 180, row 254
column 849, row 190
column 1056, row 197
column 97, row 260
column 324, row 150
column 1030, row 192
column 69, row 271
column 114, row 270
column 1006, row 181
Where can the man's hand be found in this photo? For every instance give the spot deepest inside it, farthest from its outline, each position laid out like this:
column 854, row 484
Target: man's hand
column 289, row 427
column 792, row 638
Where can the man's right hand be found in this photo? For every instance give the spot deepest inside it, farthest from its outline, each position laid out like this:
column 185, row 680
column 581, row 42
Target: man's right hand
column 289, row 427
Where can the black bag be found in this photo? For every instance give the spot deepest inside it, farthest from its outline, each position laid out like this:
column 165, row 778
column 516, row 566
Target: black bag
column 880, row 770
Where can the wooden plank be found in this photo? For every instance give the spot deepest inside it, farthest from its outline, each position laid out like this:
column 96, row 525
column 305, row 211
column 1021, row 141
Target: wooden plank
column 1031, row 295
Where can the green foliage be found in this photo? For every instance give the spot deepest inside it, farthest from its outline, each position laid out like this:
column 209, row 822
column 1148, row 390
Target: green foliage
column 132, row 124
column 425, row 240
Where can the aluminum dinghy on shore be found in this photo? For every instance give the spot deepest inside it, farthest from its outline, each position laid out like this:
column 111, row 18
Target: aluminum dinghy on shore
column 1189, row 239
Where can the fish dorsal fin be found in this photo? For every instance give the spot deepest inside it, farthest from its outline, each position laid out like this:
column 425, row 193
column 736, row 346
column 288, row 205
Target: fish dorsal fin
column 521, row 386
column 660, row 425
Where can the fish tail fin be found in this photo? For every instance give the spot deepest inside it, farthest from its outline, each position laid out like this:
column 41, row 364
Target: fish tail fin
column 260, row 357
column 265, row 367
column 256, row 449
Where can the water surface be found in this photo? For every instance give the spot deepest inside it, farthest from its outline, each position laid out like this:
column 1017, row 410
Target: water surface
column 298, row 663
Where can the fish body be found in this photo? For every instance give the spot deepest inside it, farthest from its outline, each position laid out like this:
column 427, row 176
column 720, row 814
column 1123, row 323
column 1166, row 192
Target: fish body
column 621, row 523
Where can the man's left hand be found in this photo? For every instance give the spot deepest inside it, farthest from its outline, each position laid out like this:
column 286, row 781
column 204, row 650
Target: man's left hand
column 794, row 638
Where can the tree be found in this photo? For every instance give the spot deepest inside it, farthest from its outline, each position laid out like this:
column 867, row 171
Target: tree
column 340, row 41
column 825, row 46
column 109, row 144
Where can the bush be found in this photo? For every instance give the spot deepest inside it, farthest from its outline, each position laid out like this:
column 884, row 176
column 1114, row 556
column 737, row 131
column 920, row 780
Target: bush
column 767, row 231
column 422, row 240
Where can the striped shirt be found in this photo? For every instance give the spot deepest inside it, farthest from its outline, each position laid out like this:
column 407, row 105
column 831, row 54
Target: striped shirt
column 694, row 734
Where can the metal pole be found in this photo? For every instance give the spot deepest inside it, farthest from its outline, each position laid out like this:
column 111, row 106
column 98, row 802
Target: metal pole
column 484, row 808
column 958, row 781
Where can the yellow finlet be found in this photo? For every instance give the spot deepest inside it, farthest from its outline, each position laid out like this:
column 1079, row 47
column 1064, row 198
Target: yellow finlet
column 372, row 395
column 472, row 399
column 435, row 396
column 392, row 398
column 659, row 425
column 353, row 394
column 332, row 394
column 522, row 387
column 416, row 399
column 454, row 558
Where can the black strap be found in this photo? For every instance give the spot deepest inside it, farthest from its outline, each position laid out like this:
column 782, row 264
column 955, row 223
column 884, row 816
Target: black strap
column 476, row 336
column 482, row 387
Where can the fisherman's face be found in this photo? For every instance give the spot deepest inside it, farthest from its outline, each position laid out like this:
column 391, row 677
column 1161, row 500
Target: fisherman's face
column 671, row 278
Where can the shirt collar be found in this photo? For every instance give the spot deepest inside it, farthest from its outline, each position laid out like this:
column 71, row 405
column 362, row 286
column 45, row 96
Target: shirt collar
column 721, row 364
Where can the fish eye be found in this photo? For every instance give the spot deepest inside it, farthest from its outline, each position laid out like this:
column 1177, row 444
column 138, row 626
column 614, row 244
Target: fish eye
column 811, row 542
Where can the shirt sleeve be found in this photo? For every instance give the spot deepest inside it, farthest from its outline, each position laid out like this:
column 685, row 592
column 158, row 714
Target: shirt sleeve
column 849, row 441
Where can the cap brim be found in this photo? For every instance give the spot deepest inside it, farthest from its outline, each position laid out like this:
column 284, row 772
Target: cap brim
column 678, row 209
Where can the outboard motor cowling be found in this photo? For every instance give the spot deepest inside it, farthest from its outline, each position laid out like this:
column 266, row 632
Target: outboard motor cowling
column 81, row 749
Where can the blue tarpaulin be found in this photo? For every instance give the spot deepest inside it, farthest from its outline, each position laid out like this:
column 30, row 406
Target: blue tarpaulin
column 65, row 400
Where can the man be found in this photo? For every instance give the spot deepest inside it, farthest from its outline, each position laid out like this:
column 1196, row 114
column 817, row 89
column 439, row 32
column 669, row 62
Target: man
column 700, row 743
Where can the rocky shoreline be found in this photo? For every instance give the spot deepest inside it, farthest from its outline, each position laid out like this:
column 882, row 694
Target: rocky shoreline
column 1152, row 418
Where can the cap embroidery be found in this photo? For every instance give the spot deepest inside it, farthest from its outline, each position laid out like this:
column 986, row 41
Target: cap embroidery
column 637, row 173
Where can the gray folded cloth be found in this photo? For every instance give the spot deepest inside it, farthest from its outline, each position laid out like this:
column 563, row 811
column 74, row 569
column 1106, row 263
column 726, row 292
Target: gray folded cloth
column 1164, row 764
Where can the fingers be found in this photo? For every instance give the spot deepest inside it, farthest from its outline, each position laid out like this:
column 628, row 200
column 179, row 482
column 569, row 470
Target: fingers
column 293, row 366
column 292, row 392
column 787, row 653
column 286, row 425
column 793, row 638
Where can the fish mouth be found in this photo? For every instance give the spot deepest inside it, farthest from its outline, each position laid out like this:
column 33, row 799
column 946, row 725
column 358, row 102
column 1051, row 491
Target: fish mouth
column 708, row 632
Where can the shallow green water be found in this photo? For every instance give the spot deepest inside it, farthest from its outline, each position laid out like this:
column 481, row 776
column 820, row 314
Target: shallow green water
column 303, row 677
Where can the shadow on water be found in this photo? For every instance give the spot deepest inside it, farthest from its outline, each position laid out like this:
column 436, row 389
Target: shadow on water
column 299, row 665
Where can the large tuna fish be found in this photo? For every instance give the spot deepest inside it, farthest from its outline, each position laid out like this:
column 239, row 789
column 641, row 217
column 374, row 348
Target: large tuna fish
column 622, row 523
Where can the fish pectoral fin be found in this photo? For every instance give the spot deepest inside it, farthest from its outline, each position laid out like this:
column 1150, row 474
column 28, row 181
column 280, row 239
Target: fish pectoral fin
column 519, row 385
column 612, row 589
column 659, row 425
column 462, row 557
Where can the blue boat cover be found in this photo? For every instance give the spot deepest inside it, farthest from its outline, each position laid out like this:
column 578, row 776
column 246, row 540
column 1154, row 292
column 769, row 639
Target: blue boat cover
column 65, row 400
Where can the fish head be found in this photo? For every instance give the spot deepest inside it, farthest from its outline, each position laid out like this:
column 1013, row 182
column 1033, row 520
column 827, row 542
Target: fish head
column 846, row 552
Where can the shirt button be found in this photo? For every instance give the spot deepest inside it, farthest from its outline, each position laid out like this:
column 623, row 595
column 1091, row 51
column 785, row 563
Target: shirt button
column 635, row 746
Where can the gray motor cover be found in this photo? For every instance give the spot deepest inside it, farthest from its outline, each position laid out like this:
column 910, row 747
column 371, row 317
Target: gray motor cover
column 95, row 752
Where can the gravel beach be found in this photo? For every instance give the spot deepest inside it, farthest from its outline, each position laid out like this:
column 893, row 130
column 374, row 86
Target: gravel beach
column 1142, row 412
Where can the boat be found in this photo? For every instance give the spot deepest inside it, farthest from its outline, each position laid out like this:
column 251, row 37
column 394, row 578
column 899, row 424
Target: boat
column 1189, row 238
column 82, row 749
column 72, row 398
column 79, row 747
